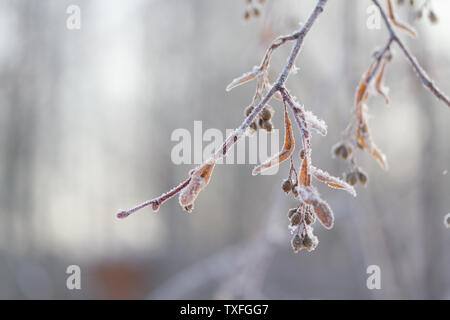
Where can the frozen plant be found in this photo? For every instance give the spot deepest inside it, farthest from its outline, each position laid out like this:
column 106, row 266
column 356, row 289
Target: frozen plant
column 310, row 206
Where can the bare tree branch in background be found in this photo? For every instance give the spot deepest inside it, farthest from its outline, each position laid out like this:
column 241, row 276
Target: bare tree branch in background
column 421, row 73
column 357, row 134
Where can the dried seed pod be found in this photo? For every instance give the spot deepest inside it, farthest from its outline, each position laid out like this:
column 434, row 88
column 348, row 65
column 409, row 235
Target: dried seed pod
column 351, row 178
column 261, row 123
column 248, row 110
column 342, row 150
column 310, row 218
column 253, row 126
column 337, row 150
column 362, row 177
column 346, row 152
column 432, row 16
column 266, row 113
column 295, row 220
column 291, row 212
column 294, row 190
column 310, row 241
column 246, row 15
column 267, row 125
column 419, row 14
column 287, row 186
column 296, row 243
column 349, row 149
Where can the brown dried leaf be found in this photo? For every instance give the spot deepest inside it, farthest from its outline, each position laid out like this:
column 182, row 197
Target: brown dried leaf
column 285, row 153
column 323, row 213
column 381, row 89
column 332, row 181
column 362, row 141
column 244, row 78
column 380, row 157
column 367, row 144
column 398, row 24
column 304, row 176
column 361, row 92
column 199, row 179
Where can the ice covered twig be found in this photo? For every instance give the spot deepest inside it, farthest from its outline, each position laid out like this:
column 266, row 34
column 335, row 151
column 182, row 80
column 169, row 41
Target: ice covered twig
column 298, row 37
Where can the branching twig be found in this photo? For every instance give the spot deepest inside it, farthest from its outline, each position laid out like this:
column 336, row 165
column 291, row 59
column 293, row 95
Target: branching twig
column 237, row 134
column 357, row 133
column 421, row 73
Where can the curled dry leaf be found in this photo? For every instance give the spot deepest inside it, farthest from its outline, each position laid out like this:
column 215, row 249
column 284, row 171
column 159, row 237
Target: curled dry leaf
column 285, row 153
column 361, row 92
column 304, row 178
column 331, row 181
column 199, row 179
column 377, row 154
column 381, row 89
column 398, row 24
column 245, row 78
column 363, row 137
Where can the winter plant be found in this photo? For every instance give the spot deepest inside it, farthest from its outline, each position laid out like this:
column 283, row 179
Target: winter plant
column 299, row 183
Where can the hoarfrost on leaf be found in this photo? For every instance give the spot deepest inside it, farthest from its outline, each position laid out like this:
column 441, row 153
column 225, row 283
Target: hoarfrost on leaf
column 331, row 181
column 248, row 76
column 315, row 123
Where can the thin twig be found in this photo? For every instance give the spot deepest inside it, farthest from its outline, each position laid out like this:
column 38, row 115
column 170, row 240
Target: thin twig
column 154, row 202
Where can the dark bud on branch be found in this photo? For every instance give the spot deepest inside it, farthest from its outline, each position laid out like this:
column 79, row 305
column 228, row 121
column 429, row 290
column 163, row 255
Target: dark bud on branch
column 287, row 186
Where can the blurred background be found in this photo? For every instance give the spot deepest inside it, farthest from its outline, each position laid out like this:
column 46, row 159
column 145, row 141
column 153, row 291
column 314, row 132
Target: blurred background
column 86, row 118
